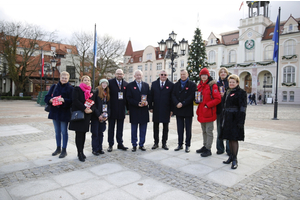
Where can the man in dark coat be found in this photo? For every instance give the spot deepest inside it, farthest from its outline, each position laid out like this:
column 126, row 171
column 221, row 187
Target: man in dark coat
column 161, row 106
column 117, row 91
column 137, row 96
column 182, row 96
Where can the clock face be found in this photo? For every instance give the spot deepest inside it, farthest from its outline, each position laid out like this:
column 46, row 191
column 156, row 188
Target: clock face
column 249, row 44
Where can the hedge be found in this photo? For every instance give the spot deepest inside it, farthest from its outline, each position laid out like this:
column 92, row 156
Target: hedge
column 16, row 97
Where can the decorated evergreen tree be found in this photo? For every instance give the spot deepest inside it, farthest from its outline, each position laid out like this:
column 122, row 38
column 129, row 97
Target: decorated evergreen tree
column 197, row 57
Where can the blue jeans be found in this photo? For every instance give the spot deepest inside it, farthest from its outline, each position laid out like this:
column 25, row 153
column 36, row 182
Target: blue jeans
column 61, row 128
column 97, row 130
column 143, row 129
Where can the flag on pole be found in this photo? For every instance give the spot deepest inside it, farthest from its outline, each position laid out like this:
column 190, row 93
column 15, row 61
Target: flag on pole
column 95, row 48
column 241, row 5
column 276, row 40
column 43, row 64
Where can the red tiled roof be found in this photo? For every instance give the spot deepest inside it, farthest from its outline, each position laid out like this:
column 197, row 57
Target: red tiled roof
column 231, row 38
column 129, row 49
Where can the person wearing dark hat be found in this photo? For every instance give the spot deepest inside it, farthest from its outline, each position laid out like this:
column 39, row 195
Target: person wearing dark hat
column 118, row 102
column 100, row 115
column 206, row 110
column 183, row 96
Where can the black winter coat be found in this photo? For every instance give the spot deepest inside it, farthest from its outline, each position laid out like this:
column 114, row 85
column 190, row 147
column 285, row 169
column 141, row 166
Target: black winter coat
column 62, row 112
column 161, row 101
column 137, row 114
column 98, row 106
column 223, row 83
column 117, row 105
column 186, row 96
column 234, row 114
column 78, row 101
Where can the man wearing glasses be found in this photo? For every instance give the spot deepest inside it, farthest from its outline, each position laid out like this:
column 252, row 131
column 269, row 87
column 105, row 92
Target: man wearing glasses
column 161, row 106
column 117, row 91
column 183, row 95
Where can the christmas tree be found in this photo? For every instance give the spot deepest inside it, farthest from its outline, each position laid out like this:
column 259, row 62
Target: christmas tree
column 197, row 57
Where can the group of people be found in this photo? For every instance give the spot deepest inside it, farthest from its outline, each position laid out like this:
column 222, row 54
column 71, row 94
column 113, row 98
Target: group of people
column 221, row 100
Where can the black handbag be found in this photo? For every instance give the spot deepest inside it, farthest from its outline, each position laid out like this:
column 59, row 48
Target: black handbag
column 48, row 106
column 77, row 115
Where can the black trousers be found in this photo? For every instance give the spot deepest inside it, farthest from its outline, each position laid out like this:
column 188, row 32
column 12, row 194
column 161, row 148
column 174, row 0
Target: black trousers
column 184, row 122
column 79, row 140
column 111, row 131
column 156, row 133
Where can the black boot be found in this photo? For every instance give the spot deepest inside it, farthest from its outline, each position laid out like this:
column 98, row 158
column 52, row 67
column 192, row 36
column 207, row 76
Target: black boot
column 81, row 157
column 234, row 163
column 229, row 160
column 63, row 153
column 56, row 152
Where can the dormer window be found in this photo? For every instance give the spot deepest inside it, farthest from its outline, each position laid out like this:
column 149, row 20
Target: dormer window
column 290, row 27
column 234, row 39
column 211, row 41
column 131, row 60
column 69, row 50
column 272, row 33
column 53, row 48
column 140, row 59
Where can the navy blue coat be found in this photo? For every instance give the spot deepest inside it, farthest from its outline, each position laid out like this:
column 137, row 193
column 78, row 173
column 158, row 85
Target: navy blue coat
column 161, row 101
column 117, row 105
column 186, row 96
column 78, row 104
column 98, row 109
column 137, row 114
column 62, row 112
column 219, row 84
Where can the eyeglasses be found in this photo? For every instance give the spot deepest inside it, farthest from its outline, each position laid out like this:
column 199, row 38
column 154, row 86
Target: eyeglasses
column 163, row 74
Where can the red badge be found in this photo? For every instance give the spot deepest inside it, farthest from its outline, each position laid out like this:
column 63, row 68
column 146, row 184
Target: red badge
column 167, row 87
column 134, row 88
column 186, row 88
column 124, row 88
column 232, row 95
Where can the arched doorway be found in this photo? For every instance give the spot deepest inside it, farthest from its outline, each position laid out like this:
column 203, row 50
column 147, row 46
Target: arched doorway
column 248, row 83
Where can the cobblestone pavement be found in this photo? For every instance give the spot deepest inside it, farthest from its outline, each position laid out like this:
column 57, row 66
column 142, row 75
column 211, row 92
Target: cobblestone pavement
column 279, row 179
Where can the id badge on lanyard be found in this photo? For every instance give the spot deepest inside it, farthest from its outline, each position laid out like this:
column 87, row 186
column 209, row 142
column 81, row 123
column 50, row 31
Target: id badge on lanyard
column 120, row 95
column 104, row 108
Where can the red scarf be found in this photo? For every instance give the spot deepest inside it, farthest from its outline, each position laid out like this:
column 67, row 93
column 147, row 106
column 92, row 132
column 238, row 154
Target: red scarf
column 87, row 90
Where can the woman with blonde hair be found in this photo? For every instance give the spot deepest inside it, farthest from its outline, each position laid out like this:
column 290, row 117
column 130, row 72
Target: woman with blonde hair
column 100, row 115
column 233, row 118
column 81, row 94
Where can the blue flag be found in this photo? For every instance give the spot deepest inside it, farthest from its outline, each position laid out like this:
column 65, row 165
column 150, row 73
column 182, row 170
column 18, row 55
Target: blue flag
column 95, row 49
column 276, row 40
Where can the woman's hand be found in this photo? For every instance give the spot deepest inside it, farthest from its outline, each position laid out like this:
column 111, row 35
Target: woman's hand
column 88, row 111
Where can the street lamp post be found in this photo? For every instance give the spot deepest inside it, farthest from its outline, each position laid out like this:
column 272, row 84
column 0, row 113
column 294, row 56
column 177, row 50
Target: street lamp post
column 53, row 63
column 172, row 48
column 265, row 88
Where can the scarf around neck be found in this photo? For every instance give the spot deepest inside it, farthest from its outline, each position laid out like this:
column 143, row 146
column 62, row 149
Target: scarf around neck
column 87, row 90
column 183, row 82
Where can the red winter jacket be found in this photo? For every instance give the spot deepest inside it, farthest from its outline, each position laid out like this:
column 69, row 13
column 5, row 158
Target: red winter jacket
column 208, row 114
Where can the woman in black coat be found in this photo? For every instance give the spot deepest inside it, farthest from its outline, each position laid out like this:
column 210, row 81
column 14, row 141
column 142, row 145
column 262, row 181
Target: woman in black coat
column 60, row 114
column 80, row 94
column 233, row 118
column 99, row 116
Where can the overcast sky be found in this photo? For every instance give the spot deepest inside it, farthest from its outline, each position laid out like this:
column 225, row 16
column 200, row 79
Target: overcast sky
column 144, row 22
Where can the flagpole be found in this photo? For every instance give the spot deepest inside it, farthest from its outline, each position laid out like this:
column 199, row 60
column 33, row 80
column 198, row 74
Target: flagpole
column 95, row 62
column 276, row 86
column 41, row 70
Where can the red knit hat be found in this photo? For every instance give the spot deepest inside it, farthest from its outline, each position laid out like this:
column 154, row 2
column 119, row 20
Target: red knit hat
column 204, row 71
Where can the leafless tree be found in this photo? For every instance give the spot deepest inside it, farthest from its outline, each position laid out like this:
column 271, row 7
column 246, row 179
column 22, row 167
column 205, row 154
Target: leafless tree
column 25, row 38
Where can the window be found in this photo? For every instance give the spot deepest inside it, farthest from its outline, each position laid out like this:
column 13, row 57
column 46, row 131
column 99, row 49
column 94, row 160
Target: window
column 69, row 50
column 250, row 54
column 131, row 60
column 175, row 77
column 213, row 74
column 292, row 96
column 146, row 67
column 182, row 64
column 150, row 66
column 86, row 69
column 71, row 71
column 175, row 64
column 232, row 56
column 140, row 59
column 130, row 79
column 158, row 66
column 130, row 70
column 284, row 96
column 146, row 78
column 150, row 79
column 290, row 27
column 211, row 56
column 170, row 65
column 53, row 48
column 211, row 41
column 269, row 52
column 289, row 74
column 36, row 46
column 149, row 56
column 289, row 47
column 140, row 67
column 18, row 43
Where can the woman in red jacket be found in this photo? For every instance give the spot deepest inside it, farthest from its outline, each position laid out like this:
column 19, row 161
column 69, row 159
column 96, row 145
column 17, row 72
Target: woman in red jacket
column 206, row 110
